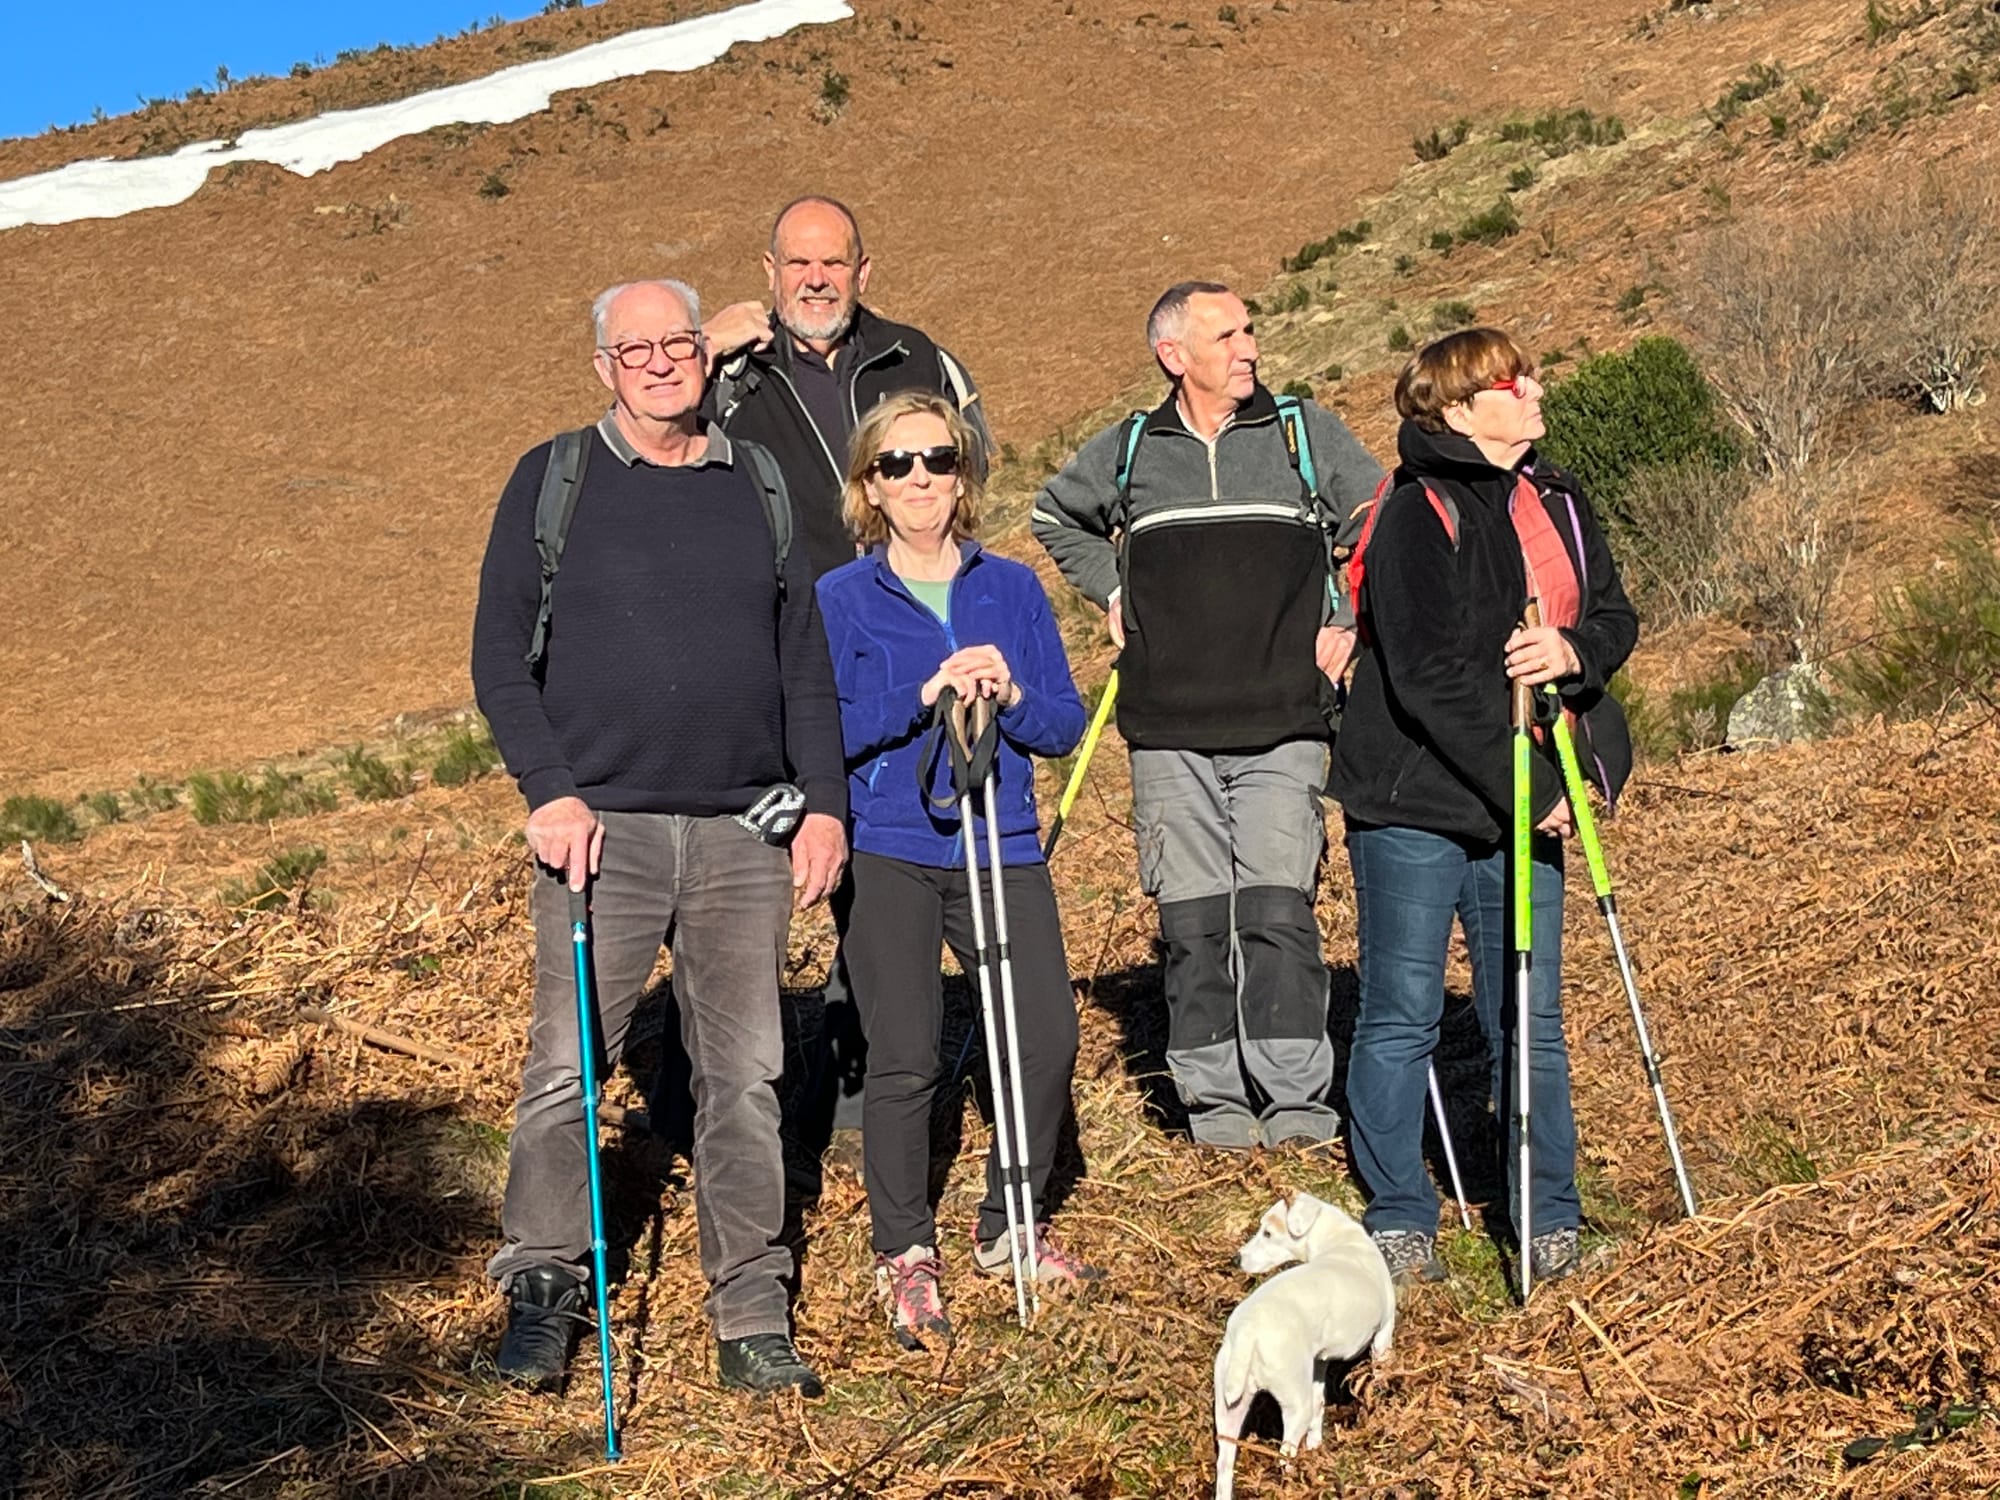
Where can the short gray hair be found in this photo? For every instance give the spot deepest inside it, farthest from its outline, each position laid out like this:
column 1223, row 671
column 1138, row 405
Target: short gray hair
column 600, row 307
column 1168, row 319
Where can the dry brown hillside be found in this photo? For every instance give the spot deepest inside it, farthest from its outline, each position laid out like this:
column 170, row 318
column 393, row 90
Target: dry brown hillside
column 262, row 431
column 256, row 1075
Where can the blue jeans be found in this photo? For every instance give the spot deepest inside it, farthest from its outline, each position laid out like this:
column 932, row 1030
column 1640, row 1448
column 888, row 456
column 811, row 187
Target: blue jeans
column 1408, row 885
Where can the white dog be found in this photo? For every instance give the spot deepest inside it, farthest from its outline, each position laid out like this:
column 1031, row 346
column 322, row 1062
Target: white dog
column 1282, row 1335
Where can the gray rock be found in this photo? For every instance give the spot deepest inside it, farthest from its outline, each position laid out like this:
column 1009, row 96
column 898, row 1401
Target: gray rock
column 1786, row 706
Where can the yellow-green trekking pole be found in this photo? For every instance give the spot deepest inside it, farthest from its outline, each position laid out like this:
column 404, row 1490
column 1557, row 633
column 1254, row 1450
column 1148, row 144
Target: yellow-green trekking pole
column 1098, row 720
column 1600, row 882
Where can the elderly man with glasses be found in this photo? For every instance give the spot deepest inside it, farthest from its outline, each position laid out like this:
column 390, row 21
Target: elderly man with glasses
column 675, row 678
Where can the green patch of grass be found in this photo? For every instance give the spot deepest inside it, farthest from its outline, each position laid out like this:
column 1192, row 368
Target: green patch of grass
column 1490, row 227
column 1404, row 264
column 285, row 877
column 468, row 755
column 1762, row 79
column 1449, row 315
column 1333, row 372
column 1295, row 299
column 1299, row 388
column 493, row 187
column 1441, row 239
column 372, row 779
column 106, row 807
column 1399, row 340
column 1697, row 716
column 155, row 796
column 834, row 91
column 232, row 797
column 1479, row 1281
column 1631, row 301
column 1313, row 252
column 1521, row 178
column 1771, row 1155
column 1607, row 1213
column 40, row 820
column 1439, row 144
column 1562, row 131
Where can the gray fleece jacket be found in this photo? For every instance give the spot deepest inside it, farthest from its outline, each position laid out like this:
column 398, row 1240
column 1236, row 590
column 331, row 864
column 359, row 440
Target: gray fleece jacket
column 1222, row 555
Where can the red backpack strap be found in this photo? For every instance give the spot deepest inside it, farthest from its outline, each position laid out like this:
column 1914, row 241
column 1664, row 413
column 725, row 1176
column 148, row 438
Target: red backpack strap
column 1357, row 557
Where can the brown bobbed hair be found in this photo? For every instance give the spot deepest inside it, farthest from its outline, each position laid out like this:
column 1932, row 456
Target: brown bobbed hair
column 865, row 523
column 1454, row 369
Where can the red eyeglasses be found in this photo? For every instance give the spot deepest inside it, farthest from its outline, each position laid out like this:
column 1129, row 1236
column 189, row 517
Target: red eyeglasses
column 1515, row 385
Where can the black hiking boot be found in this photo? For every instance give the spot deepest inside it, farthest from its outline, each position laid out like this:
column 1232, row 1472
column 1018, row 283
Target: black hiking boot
column 545, row 1314
column 766, row 1362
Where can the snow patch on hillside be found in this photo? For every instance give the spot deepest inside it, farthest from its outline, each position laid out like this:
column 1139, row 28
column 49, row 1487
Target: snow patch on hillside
column 109, row 189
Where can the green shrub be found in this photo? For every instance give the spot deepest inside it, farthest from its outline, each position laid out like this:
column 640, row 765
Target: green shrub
column 287, row 875
column 1696, row 717
column 1399, row 340
column 1299, row 388
column 1332, row 372
column 1521, row 178
column 1938, row 644
column 41, row 820
column 105, row 807
column 371, row 779
column 833, row 91
column 1441, row 239
column 493, row 186
column 468, row 755
column 1449, row 315
column 1492, row 226
column 1562, row 131
column 1297, row 297
column 1648, row 407
column 1633, row 299
column 1405, row 264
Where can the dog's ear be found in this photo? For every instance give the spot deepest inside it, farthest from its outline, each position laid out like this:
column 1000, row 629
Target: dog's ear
column 1276, row 1219
column 1300, row 1213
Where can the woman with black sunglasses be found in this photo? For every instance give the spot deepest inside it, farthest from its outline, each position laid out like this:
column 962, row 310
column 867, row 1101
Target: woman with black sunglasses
column 925, row 609
column 1472, row 527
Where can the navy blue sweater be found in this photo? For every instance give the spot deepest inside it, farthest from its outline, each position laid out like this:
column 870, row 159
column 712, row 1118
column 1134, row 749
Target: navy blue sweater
column 675, row 681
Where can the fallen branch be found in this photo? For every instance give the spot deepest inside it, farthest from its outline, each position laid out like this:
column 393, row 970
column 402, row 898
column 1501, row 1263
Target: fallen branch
column 49, row 888
column 393, row 1041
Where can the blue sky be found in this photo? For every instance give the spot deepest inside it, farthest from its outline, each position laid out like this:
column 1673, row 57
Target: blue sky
column 59, row 61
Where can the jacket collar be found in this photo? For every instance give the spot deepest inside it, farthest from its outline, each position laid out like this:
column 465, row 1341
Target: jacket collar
column 1455, row 458
column 969, row 554
column 1259, row 406
column 719, row 451
column 868, row 336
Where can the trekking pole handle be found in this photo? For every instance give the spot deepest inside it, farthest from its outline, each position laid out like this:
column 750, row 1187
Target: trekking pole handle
column 579, row 908
column 1524, row 696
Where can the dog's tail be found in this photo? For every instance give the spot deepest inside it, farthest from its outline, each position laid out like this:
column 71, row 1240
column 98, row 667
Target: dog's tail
column 1235, row 1371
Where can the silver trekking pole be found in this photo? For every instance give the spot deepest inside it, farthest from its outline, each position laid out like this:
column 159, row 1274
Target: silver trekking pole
column 1450, row 1156
column 967, row 750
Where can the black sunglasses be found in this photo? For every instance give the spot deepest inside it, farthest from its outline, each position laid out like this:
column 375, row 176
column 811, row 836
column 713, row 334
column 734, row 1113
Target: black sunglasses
column 896, row 463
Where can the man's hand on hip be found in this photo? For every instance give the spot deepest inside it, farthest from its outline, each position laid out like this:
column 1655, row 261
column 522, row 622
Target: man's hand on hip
column 1332, row 648
column 566, row 836
column 819, row 850
column 1114, row 618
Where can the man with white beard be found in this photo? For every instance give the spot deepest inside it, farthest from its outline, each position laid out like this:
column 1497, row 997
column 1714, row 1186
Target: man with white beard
column 796, row 378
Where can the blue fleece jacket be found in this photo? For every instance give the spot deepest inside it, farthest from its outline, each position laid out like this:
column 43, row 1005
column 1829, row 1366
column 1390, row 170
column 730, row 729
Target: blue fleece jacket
column 886, row 645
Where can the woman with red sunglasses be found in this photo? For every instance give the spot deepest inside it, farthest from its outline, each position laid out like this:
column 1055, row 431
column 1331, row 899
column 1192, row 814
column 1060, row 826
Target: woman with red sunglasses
column 1473, row 526
column 926, row 609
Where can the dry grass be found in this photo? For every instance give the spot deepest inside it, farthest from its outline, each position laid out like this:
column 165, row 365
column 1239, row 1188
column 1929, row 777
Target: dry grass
column 245, row 1249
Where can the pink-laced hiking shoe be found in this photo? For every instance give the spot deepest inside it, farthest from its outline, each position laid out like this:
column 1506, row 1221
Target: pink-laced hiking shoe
column 907, row 1287
column 1055, row 1266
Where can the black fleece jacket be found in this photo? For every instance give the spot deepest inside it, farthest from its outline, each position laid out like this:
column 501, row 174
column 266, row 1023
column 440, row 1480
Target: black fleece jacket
column 1426, row 741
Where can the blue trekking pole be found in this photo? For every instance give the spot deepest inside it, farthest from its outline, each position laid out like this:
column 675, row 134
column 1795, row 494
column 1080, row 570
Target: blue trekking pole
column 586, row 1044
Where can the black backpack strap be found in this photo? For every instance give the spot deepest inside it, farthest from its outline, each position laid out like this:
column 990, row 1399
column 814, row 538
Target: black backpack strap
column 777, row 503
column 555, row 507
column 735, row 379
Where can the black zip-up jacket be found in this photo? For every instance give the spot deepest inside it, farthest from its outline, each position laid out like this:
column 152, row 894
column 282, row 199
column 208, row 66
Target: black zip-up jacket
column 1221, row 569
column 753, row 397
column 1426, row 741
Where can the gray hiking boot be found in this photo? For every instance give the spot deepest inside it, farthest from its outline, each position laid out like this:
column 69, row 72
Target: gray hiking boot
column 1410, row 1254
column 766, row 1362
column 545, row 1312
column 1556, row 1255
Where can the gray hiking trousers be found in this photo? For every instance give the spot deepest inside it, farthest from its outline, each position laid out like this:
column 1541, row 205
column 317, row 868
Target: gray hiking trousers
column 1230, row 846
column 722, row 900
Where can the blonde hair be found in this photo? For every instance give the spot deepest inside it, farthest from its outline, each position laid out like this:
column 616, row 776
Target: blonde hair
column 1454, row 369
column 865, row 522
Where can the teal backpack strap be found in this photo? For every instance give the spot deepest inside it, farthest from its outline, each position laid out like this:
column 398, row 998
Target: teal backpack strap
column 555, row 508
column 777, row 504
column 1298, row 446
column 1128, row 447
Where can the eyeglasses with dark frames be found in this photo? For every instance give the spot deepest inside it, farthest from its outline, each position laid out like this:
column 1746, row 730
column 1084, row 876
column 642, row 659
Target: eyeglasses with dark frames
column 636, row 354
column 896, row 463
